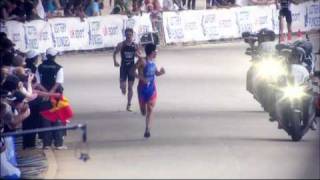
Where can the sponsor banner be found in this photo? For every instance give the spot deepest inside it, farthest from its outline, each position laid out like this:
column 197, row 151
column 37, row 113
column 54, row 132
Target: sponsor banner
column 210, row 25
column 245, row 18
column 16, row 34
column 38, row 35
column 200, row 25
column 298, row 17
column 60, row 34
column 140, row 25
column 192, row 26
column 227, row 23
column 312, row 20
column 173, row 27
column 105, row 31
column 69, row 34
column 263, row 18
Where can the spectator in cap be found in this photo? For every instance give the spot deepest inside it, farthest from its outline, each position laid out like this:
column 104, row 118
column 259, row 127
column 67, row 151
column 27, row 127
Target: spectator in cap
column 32, row 59
column 51, row 78
column 36, row 102
column 20, row 110
column 50, row 73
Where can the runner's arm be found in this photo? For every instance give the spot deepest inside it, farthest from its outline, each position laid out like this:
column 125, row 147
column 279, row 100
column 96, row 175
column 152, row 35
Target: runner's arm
column 116, row 51
column 137, row 65
column 160, row 72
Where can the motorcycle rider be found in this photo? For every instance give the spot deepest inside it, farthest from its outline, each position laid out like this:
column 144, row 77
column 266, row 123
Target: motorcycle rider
column 300, row 76
column 316, row 88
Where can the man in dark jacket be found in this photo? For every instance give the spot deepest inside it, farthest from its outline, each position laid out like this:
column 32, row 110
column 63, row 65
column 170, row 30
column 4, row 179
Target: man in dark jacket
column 51, row 78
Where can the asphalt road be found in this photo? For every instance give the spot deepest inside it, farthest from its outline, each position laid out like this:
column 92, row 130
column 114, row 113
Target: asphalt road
column 206, row 125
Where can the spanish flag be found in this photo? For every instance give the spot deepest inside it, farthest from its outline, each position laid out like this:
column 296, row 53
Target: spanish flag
column 61, row 110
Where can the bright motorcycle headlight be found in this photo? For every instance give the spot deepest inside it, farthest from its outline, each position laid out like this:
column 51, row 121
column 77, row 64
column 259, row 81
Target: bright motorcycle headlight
column 293, row 92
column 270, row 68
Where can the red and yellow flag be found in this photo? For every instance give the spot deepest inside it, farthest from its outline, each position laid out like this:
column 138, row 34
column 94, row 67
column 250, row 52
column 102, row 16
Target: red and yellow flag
column 61, row 110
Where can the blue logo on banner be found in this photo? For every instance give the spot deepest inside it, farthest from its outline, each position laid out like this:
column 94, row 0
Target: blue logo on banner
column 62, row 41
column 32, row 44
column 313, row 16
column 44, row 36
column 59, row 28
column 96, row 39
column 31, row 30
column 111, row 31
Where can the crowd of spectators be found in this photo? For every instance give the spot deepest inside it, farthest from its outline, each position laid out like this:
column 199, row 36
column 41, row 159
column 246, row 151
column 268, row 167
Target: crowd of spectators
column 27, row 89
column 25, row 10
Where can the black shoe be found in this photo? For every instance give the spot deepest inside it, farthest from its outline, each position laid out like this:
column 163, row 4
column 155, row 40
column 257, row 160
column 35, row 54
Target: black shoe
column 147, row 134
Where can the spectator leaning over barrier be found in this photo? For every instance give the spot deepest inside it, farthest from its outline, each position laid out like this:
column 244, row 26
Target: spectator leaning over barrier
column 51, row 78
column 261, row 2
column 285, row 12
column 69, row 10
column 51, row 8
column 192, row 4
column 3, row 10
column 93, row 8
column 79, row 10
column 136, row 6
column 152, row 5
column 241, row 3
column 216, row 3
column 121, row 7
column 179, row 4
column 16, row 10
column 31, row 11
column 168, row 5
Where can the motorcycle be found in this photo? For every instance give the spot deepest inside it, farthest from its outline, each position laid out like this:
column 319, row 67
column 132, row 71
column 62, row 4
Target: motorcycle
column 266, row 66
column 294, row 101
column 275, row 86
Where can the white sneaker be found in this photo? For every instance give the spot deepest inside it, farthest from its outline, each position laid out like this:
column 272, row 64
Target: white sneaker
column 61, row 148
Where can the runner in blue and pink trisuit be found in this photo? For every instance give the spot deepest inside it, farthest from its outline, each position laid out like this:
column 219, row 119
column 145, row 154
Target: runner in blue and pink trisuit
column 147, row 92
